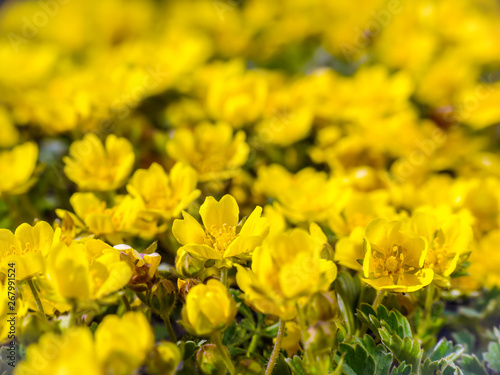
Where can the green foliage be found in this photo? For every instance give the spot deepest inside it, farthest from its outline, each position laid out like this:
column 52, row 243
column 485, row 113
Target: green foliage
column 492, row 356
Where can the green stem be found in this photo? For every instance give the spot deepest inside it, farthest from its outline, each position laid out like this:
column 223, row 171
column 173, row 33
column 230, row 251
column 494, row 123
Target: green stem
column 429, row 300
column 28, row 207
column 223, row 277
column 73, row 322
column 378, row 300
column 253, row 343
column 38, row 303
column 170, row 329
column 276, row 349
column 225, row 357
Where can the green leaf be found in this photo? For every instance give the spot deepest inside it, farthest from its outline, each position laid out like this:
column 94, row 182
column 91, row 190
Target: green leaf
column 281, row 367
column 466, row 339
column 445, row 350
column 404, row 349
column 393, row 321
column 189, row 348
column 492, row 356
column 296, row 365
column 470, row 365
column 357, row 361
column 403, row 369
column 442, row 359
column 383, row 359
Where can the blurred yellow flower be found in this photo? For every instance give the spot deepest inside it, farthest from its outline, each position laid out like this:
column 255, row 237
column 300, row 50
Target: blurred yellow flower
column 27, row 248
column 95, row 166
column 286, row 268
column 309, row 195
column 122, row 343
column 211, row 150
column 165, row 194
column 111, row 222
column 209, row 309
column 73, row 353
column 221, row 237
column 238, row 99
column 18, row 166
column 394, row 259
column 72, row 276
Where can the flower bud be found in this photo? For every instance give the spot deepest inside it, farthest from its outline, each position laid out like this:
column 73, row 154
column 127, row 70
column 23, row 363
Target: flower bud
column 210, row 361
column 322, row 306
column 164, row 359
column 187, row 265
column 163, row 298
column 209, row 308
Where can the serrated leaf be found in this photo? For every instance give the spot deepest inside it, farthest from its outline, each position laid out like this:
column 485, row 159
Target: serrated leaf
column 281, row 367
column 356, row 360
column 383, row 359
column 404, row 350
column 296, row 365
column 492, row 356
column 446, row 350
column 470, row 365
column 393, row 321
column 403, row 369
column 441, row 359
column 466, row 339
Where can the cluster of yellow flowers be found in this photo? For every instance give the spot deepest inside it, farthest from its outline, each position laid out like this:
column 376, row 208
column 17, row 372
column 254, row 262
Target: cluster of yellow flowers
column 282, row 162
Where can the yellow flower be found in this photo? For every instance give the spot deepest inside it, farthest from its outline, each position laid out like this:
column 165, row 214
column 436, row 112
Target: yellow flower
column 27, row 248
column 448, row 239
column 209, row 309
column 484, row 266
column 306, row 196
column 72, row 276
column 111, row 222
column 238, row 99
column 221, row 238
column 10, row 134
column 71, row 353
column 162, row 194
column 210, row 149
column 95, row 166
column 394, row 258
column 122, row 343
column 17, row 166
column 286, row 268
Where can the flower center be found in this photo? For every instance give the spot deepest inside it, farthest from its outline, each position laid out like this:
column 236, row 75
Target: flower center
column 220, row 237
column 391, row 263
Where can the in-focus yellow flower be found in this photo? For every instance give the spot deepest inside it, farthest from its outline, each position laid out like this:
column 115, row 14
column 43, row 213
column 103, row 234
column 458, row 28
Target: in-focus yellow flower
column 122, row 343
column 448, row 239
column 17, row 167
column 209, row 309
column 220, row 238
column 72, row 276
column 71, row 353
column 394, row 258
column 165, row 194
column 210, row 149
column 28, row 248
column 95, row 166
column 286, row 268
